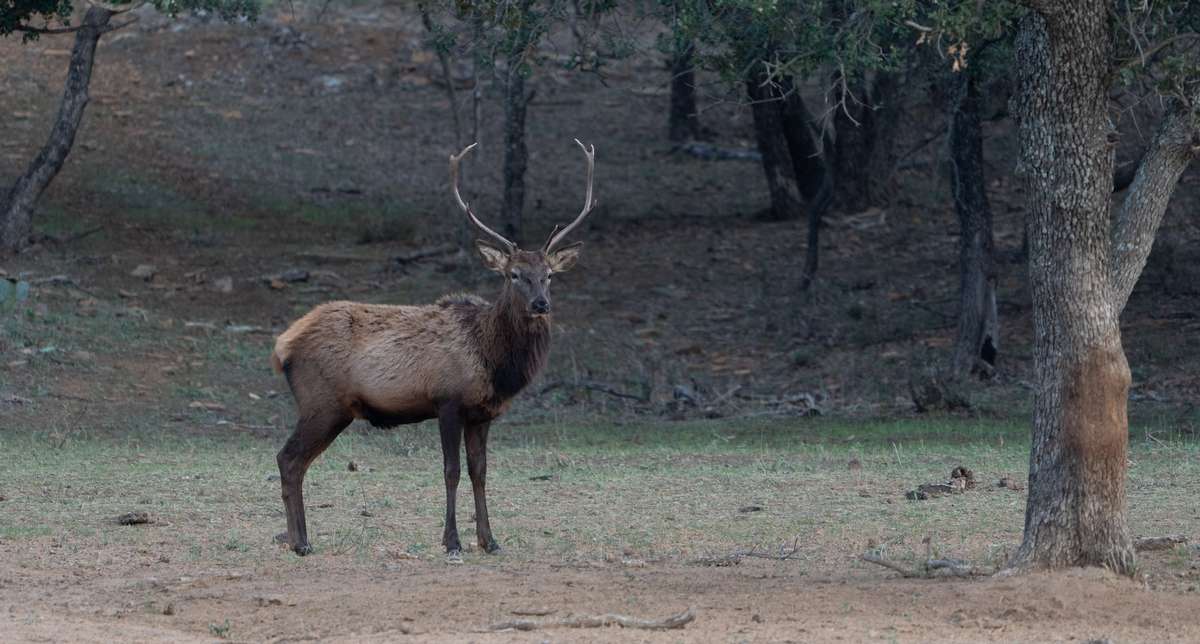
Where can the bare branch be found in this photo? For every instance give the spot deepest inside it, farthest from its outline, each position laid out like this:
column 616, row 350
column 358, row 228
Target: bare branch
column 1174, row 146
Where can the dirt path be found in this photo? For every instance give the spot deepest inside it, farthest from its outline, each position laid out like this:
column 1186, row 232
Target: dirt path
column 330, row 598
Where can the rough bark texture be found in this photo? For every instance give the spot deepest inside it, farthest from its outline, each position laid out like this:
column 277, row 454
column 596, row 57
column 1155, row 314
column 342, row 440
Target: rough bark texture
column 978, row 326
column 683, row 122
column 1076, row 507
column 16, row 207
column 767, row 109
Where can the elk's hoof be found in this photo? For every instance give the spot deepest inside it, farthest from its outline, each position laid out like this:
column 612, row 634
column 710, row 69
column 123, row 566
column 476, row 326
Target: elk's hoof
column 492, row 548
column 302, row 549
column 454, row 556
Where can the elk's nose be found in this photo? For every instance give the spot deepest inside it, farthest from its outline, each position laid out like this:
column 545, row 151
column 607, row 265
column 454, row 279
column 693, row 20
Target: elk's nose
column 541, row 306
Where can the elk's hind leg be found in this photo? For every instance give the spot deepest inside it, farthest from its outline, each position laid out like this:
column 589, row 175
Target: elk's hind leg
column 314, row 432
column 477, row 468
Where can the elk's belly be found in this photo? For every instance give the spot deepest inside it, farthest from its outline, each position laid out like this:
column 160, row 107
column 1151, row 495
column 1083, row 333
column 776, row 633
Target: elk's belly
column 392, row 415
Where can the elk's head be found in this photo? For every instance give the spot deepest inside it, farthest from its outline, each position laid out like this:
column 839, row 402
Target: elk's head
column 528, row 272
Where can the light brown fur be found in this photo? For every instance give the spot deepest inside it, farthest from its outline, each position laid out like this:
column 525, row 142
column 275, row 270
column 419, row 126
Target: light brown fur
column 395, row 359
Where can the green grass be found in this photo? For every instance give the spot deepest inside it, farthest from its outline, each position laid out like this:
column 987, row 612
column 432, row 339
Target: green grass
column 644, row 490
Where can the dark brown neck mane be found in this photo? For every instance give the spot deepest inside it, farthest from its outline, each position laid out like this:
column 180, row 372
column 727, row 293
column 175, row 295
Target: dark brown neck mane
column 514, row 345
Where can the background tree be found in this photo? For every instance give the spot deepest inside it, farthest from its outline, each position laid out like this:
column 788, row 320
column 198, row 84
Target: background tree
column 972, row 45
column 34, row 18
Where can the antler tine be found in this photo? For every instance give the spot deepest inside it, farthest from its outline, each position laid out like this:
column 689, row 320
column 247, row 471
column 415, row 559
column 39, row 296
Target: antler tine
column 454, row 159
column 588, row 202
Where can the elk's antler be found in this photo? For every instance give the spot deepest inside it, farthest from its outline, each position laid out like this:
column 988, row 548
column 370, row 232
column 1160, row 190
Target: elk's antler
column 454, row 159
column 588, row 203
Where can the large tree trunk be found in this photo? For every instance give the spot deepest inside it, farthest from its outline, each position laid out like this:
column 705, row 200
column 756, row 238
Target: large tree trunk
column 1076, row 508
column 978, row 326
column 766, row 107
column 16, row 208
column 683, row 122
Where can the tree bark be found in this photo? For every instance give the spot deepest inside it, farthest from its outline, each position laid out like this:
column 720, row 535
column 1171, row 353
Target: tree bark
column 808, row 150
column 978, row 326
column 683, row 121
column 794, row 160
column 16, row 207
column 1075, row 514
column 516, row 155
column 766, row 107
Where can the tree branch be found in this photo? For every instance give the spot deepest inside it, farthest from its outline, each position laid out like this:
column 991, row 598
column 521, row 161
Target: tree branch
column 1174, row 146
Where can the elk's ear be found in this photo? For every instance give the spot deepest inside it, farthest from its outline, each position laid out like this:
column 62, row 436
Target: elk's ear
column 494, row 258
column 564, row 258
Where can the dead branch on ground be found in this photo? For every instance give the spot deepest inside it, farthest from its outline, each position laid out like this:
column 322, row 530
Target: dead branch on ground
column 678, row 620
column 590, row 386
column 1148, row 544
column 734, row 558
column 929, row 569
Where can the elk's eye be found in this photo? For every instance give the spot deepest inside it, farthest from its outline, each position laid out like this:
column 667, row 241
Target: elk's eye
column 514, row 276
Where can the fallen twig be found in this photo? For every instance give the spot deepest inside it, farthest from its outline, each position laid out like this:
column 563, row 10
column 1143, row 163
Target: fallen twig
column 904, row 572
column 783, row 554
column 424, row 253
column 1147, row 544
column 591, row 386
column 931, row 567
column 678, row 620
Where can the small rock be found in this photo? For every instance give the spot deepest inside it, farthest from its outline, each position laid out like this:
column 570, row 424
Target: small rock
column 169, row 609
column 366, row 513
column 1010, row 483
column 223, row 285
column 278, row 284
column 294, row 275
column 83, row 356
column 134, row 518
column 751, row 508
column 352, row 466
column 272, row 477
column 144, row 271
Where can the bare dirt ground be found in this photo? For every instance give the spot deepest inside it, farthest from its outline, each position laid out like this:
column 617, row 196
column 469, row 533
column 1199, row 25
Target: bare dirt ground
column 329, row 600
column 222, row 152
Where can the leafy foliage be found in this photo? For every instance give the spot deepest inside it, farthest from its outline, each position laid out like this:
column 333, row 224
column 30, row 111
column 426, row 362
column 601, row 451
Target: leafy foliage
column 31, row 16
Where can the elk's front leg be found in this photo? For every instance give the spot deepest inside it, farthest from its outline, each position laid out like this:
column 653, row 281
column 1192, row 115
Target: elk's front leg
column 451, row 425
column 477, row 468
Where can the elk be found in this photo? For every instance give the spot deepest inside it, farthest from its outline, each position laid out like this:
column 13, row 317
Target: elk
column 460, row 360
